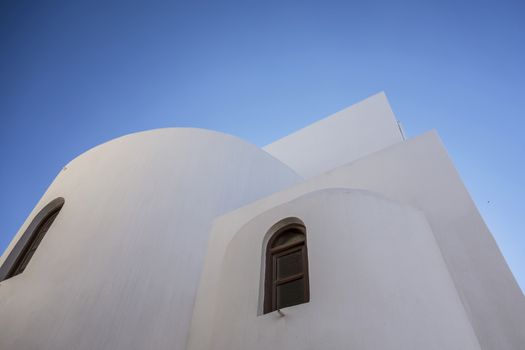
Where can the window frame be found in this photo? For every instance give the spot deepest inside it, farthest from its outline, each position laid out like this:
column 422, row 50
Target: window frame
column 18, row 259
column 272, row 280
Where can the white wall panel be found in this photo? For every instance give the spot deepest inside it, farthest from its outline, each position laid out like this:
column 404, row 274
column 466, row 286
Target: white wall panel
column 355, row 132
column 377, row 281
column 419, row 173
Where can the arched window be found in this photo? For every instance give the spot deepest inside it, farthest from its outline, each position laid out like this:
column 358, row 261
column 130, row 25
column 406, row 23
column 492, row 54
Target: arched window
column 26, row 246
column 286, row 276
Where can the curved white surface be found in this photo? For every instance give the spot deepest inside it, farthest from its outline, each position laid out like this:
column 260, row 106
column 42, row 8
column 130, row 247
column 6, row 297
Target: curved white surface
column 120, row 265
column 377, row 281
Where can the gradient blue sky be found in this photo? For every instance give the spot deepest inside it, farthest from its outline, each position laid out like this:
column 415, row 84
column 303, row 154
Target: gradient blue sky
column 74, row 74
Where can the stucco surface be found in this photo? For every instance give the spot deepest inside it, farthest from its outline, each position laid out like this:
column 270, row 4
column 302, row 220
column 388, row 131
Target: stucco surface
column 120, row 265
column 161, row 233
column 419, row 173
column 377, row 281
column 353, row 133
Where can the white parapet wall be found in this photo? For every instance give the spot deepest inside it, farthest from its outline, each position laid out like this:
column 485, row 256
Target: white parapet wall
column 355, row 132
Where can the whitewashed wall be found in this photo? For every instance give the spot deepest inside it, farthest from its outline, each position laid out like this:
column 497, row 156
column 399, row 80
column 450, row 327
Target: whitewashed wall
column 120, row 265
column 377, row 281
column 419, row 173
column 350, row 134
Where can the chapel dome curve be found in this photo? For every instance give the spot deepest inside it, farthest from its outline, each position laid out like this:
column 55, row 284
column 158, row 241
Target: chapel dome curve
column 197, row 134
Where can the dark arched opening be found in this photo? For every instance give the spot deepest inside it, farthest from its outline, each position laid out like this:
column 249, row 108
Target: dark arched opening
column 286, row 273
column 26, row 246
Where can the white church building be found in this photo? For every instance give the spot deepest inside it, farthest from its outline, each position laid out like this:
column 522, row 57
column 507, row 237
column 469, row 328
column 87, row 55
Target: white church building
column 342, row 235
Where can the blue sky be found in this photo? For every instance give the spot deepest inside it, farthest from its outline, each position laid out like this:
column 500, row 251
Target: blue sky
column 74, row 74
